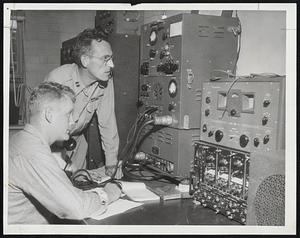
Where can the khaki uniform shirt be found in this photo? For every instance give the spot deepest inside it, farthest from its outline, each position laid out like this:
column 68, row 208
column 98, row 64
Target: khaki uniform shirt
column 39, row 188
column 89, row 100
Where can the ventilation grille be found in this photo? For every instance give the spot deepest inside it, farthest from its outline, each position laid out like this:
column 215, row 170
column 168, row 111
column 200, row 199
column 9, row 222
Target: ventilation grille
column 203, row 31
column 269, row 201
column 219, row 32
column 207, row 31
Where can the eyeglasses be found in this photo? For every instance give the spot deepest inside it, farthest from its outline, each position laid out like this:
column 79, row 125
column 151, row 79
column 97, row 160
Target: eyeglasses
column 105, row 58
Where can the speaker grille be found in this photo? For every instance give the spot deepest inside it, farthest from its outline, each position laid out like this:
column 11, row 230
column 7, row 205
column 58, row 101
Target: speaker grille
column 269, row 201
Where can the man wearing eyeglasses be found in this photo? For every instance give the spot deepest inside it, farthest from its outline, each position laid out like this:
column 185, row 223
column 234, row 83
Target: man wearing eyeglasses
column 90, row 77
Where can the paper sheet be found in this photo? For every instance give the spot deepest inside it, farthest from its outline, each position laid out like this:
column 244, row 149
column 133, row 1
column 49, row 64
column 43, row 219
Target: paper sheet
column 137, row 191
column 117, row 207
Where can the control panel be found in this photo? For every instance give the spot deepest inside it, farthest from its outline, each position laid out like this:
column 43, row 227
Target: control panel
column 240, row 117
column 245, row 113
column 177, row 55
column 220, row 179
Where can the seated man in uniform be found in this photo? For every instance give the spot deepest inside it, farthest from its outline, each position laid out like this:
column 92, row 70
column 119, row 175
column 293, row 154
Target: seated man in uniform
column 38, row 188
column 90, row 77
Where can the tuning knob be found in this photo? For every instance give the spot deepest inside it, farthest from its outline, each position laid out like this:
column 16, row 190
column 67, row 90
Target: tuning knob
column 204, row 128
column 264, row 120
column 256, row 141
column 266, row 139
column 207, row 100
column 218, row 135
column 244, row 140
column 207, row 112
column 266, row 102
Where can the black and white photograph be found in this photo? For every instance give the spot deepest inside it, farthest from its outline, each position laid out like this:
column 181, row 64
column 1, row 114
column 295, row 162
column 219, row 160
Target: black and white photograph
column 149, row 118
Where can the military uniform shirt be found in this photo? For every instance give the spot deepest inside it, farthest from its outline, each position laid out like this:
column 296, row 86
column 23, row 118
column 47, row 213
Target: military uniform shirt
column 102, row 101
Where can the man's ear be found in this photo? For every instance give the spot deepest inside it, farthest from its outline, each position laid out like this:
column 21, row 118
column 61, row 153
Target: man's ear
column 48, row 115
column 84, row 60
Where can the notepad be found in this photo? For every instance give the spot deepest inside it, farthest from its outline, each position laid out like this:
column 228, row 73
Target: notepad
column 137, row 191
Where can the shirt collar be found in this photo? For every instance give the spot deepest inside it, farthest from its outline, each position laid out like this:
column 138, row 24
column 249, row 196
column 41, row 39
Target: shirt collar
column 78, row 84
column 32, row 130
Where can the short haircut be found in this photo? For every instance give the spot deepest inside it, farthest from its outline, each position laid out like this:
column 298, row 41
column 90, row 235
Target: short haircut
column 84, row 42
column 46, row 93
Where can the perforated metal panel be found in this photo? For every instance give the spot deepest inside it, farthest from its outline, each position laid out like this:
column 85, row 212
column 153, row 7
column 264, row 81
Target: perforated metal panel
column 269, row 201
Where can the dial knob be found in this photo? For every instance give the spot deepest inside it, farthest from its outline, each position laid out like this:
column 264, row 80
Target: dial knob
column 244, row 140
column 204, row 128
column 266, row 102
column 264, row 120
column 218, row 135
column 266, row 139
column 256, row 141
column 207, row 112
column 207, row 100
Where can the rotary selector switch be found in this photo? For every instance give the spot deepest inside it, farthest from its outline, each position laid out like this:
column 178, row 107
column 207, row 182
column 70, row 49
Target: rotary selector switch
column 218, row 135
column 244, row 140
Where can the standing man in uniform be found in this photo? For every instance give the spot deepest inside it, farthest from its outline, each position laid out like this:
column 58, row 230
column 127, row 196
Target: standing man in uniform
column 90, row 77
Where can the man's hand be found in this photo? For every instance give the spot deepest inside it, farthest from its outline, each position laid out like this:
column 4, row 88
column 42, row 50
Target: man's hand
column 109, row 170
column 113, row 192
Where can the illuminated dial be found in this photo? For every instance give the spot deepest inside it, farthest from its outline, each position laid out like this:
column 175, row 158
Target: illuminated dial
column 172, row 88
column 153, row 37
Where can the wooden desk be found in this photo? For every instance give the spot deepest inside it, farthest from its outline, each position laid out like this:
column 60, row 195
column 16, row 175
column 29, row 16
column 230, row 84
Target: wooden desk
column 170, row 212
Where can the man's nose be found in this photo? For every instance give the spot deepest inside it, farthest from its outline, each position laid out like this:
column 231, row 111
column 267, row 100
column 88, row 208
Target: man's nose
column 110, row 63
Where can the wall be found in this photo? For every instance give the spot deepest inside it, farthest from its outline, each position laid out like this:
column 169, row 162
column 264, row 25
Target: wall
column 263, row 42
column 262, row 49
column 44, row 33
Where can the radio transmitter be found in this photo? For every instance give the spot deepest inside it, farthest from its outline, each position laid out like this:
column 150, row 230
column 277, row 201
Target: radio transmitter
column 241, row 145
column 177, row 55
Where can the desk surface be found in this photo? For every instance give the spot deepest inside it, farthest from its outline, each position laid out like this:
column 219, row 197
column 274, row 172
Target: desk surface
column 170, row 212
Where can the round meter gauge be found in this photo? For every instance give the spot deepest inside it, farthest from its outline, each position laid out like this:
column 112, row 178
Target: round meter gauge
column 153, row 37
column 172, row 88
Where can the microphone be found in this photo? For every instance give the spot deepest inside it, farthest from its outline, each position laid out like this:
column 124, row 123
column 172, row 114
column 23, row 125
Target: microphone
column 164, row 120
column 70, row 144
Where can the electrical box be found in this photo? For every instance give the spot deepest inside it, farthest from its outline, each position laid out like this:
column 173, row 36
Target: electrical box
column 177, row 55
column 240, row 154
